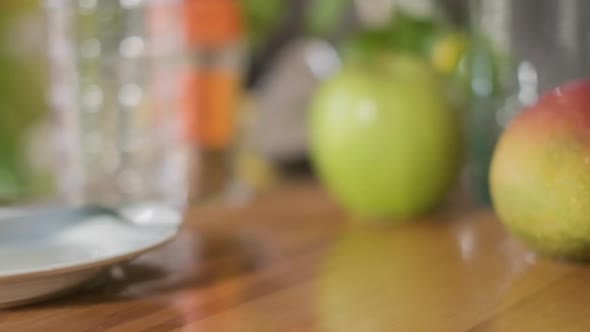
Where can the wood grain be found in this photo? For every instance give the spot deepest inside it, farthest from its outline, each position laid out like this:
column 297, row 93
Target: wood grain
column 292, row 261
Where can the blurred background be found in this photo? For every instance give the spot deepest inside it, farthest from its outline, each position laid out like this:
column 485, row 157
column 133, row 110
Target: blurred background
column 198, row 99
column 98, row 96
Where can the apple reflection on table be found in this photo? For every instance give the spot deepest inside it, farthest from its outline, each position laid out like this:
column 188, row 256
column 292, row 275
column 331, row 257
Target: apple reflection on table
column 422, row 276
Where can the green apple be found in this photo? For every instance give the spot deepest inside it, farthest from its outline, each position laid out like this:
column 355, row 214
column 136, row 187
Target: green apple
column 384, row 138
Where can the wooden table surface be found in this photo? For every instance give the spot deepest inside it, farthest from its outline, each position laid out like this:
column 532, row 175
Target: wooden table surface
column 291, row 261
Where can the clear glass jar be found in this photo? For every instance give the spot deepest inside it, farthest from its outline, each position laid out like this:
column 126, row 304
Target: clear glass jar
column 116, row 78
column 519, row 50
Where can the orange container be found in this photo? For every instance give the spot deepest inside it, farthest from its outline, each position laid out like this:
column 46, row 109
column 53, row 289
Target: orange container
column 212, row 81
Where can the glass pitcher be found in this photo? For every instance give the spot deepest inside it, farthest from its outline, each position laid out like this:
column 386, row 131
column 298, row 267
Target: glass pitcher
column 91, row 108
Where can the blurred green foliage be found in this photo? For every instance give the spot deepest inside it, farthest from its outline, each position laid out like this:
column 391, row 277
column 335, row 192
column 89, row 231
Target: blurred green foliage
column 323, row 17
column 262, row 16
column 21, row 97
column 404, row 33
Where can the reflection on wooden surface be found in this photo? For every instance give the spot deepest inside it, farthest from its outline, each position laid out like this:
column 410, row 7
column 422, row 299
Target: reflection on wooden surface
column 291, row 262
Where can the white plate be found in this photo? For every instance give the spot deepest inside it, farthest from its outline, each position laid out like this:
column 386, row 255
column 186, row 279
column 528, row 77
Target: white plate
column 49, row 253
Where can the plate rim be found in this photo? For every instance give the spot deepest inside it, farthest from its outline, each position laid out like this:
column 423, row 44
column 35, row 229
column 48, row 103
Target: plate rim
column 90, row 264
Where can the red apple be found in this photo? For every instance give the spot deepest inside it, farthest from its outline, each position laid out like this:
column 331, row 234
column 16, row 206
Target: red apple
column 540, row 173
